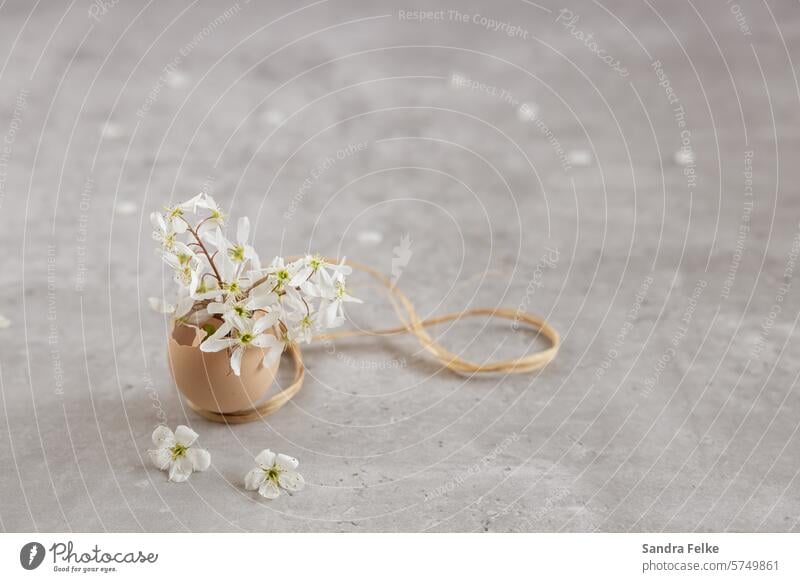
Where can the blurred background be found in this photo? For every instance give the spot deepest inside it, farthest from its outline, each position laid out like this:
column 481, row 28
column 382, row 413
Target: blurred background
column 625, row 170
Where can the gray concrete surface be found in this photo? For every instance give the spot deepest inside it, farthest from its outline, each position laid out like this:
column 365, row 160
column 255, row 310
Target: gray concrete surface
column 673, row 404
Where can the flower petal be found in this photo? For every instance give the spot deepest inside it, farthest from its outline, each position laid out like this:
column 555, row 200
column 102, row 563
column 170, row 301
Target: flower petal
column 267, row 340
column 260, row 300
column 269, row 490
column 273, row 355
column 291, row 481
column 191, row 204
column 200, row 458
column 216, row 345
column 236, row 360
column 213, row 293
column 217, row 308
column 300, row 277
column 254, row 479
column 185, row 436
column 160, row 306
column 221, row 331
column 198, row 318
column 217, row 340
column 265, row 322
column 163, row 437
column 265, row 459
column 158, row 221
column 207, row 201
column 286, row 463
column 183, row 307
column 180, row 470
column 342, row 268
column 160, row 458
column 331, row 312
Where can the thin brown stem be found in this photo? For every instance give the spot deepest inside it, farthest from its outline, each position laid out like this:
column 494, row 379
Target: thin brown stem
column 258, row 282
column 205, row 250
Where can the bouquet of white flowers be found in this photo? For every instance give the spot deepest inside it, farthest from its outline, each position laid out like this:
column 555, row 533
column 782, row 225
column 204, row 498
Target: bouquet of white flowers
column 224, row 290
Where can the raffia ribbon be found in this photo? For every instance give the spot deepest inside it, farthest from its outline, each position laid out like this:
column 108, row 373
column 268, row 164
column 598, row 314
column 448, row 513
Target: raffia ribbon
column 411, row 323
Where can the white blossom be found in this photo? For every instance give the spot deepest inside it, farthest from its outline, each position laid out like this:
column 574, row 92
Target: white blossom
column 203, row 284
column 215, row 219
column 240, row 251
column 174, row 453
column 239, row 333
column 181, row 311
column 243, row 308
column 334, row 296
column 164, row 232
column 268, row 308
column 273, row 473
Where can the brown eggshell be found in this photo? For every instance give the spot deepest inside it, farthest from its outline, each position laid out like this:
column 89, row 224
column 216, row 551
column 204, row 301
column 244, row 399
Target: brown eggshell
column 207, row 379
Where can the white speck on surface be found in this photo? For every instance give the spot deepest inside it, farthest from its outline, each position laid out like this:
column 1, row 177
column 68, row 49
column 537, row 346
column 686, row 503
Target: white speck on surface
column 4, row 321
column 370, row 237
column 177, row 80
column 112, row 130
column 272, row 117
column 528, row 111
column 684, row 156
column 126, row 208
column 579, row 157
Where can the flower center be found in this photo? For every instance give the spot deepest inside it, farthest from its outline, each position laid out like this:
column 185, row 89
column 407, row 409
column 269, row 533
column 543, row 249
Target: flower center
column 178, row 451
column 175, row 212
column 236, row 253
column 246, row 338
column 272, row 474
column 282, row 277
column 233, row 288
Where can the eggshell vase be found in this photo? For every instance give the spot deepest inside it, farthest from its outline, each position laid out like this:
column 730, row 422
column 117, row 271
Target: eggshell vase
column 206, row 378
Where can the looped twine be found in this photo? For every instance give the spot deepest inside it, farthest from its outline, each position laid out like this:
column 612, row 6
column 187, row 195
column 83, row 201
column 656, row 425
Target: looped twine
column 413, row 324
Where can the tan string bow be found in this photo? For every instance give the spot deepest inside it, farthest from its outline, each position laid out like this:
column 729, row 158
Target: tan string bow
column 414, row 325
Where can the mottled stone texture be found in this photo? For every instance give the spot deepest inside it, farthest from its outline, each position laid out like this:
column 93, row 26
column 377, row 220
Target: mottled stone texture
column 673, row 404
